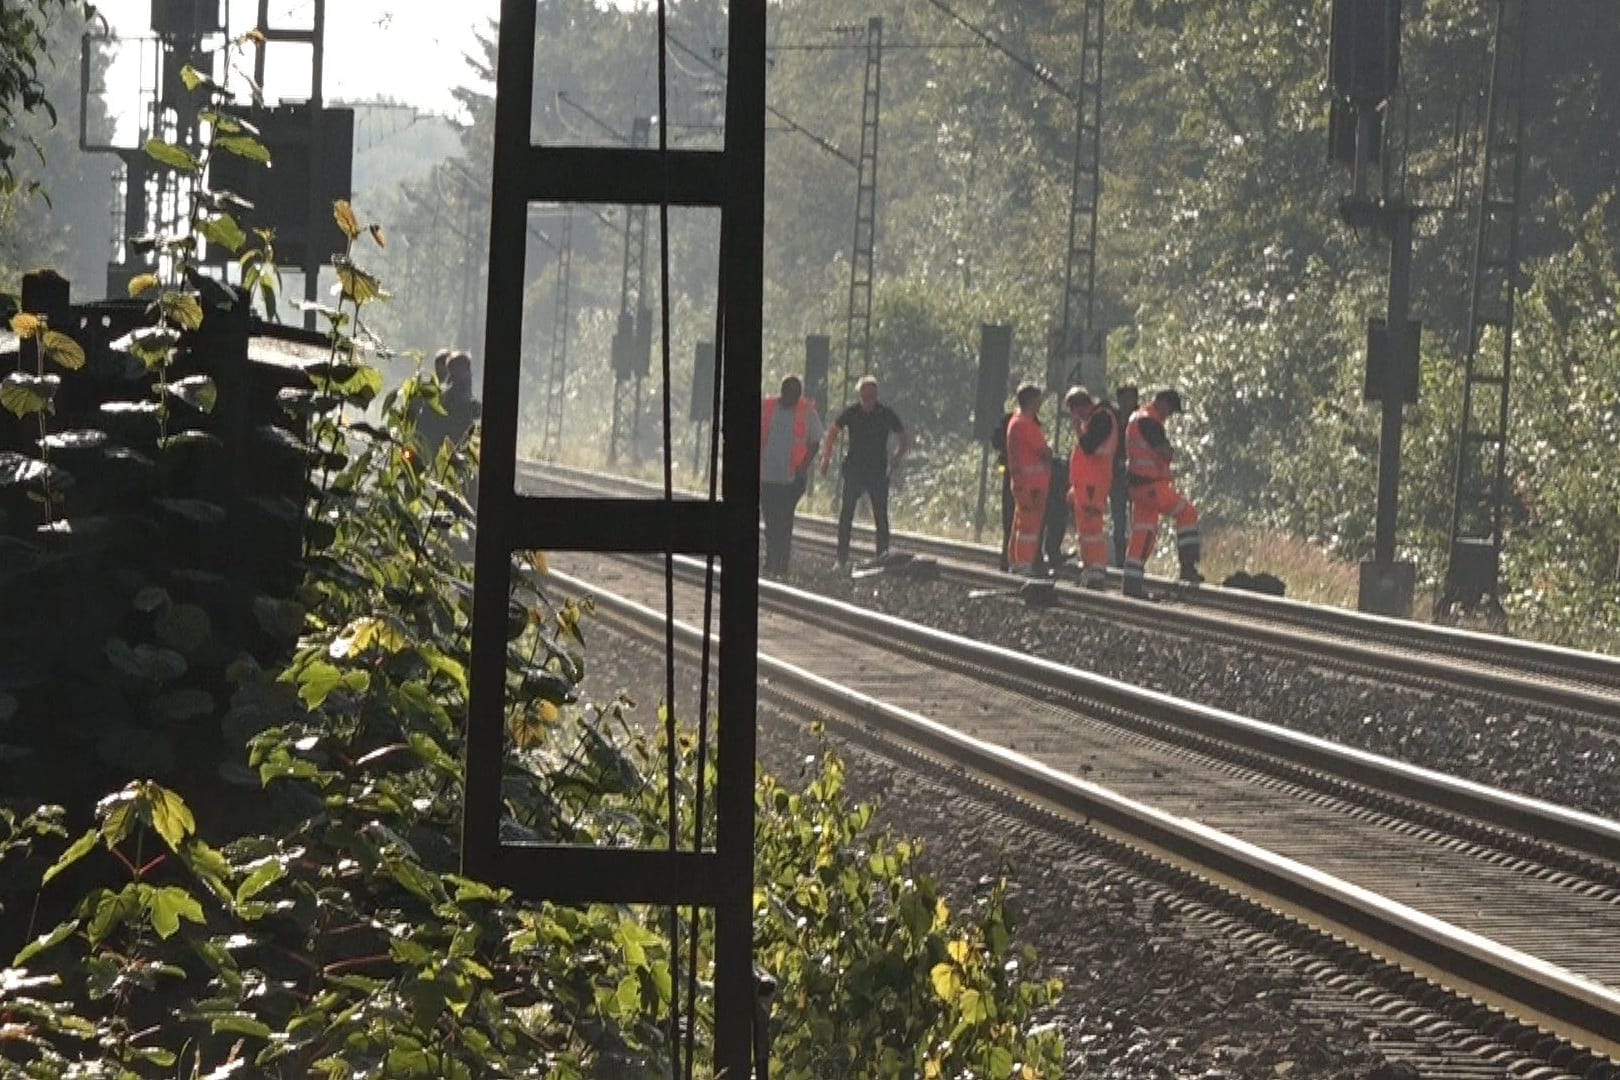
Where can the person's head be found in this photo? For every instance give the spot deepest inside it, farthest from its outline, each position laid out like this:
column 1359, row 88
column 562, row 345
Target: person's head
column 867, row 390
column 440, row 360
column 1079, row 404
column 1028, row 398
column 458, row 369
column 792, row 390
column 1167, row 402
column 1128, row 398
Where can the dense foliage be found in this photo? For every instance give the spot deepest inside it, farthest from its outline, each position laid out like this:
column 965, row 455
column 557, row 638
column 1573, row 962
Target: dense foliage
column 1224, row 267
column 286, row 900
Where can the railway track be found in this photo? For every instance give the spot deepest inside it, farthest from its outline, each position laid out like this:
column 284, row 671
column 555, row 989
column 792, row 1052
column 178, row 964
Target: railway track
column 1504, row 900
column 1572, row 686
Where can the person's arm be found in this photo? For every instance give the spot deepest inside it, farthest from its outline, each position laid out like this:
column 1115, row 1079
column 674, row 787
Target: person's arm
column 828, row 444
column 1154, row 435
column 1096, row 432
column 814, row 433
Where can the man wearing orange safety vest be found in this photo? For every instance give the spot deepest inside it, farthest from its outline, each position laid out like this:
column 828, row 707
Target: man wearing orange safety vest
column 1148, row 472
column 789, row 432
column 1029, row 467
column 1091, row 476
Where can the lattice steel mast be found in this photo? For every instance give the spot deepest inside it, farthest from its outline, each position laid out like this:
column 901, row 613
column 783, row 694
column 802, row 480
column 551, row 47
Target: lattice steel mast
column 1079, row 346
column 632, row 342
column 858, row 333
column 1473, row 570
column 557, row 369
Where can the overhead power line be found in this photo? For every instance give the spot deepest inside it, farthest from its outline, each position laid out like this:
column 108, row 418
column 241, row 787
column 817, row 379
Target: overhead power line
column 820, row 140
column 1039, row 70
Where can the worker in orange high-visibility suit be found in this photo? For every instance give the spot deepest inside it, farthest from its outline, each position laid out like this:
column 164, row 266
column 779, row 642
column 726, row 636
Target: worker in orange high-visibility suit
column 1148, row 472
column 789, row 433
column 1029, row 466
column 1091, row 476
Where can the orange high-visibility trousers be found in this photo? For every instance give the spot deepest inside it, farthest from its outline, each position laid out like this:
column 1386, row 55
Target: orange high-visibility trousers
column 1150, row 502
column 1090, row 503
column 1029, row 510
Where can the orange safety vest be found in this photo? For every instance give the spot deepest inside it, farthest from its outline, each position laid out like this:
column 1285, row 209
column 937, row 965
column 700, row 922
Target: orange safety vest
column 1144, row 462
column 1024, row 462
column 1095, row 469
column 801, row 428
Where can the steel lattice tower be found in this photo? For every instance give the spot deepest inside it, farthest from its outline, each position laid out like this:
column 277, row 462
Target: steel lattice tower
column 1473, row 570
column 858, row 333
column 557, row 369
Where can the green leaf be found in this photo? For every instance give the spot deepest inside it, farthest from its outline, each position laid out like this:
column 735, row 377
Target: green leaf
column 239, row 1023
column 45, row 941
column 171, row 817
column 168, row 905
column 244, row 146
column 181, row 705
column 188, row 438
column 144, row 661
column 358, row 285
column 175, row 157
column 183, row 627
column 196, row 510
column 182, row 309
column 973, row 1007
column 80, row 848
column 266, row 875
column 22, row 394
column 198, row 391
column 63, row 351
column 223, row 231
column 151, row 598
column 114, row 909
column 151, row 345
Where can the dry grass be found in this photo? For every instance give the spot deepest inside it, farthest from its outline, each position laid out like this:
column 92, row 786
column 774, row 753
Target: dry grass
column 1311, row 573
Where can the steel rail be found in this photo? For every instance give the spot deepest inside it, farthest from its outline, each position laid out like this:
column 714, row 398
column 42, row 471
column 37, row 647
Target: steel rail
column 1577, row 1008
column 1461, row 661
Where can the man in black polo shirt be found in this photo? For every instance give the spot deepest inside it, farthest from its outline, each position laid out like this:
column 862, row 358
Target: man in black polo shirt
column 866, row 464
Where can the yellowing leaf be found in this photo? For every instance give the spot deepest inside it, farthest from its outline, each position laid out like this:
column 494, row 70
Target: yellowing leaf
column 343, row 214
column 141, row 283
column 377, row 235
column 25, row 325
column 182, row 309
column 959, row 950
column 63, row 351
column 947, row 980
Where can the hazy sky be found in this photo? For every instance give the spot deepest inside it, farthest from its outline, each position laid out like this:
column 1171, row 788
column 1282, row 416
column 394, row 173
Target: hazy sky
column 406, row 50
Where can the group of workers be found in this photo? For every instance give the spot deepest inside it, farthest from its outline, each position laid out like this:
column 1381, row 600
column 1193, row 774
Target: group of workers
column 1121, row 466
column 1127, row 474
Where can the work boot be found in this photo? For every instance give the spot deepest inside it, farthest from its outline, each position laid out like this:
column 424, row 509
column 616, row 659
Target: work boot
column 1093, row 577
column 1189, row 569
column 1135, row 587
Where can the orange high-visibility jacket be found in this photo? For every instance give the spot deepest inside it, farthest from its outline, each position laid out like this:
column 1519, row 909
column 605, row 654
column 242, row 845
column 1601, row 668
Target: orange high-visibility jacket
column 1144, row 462
column 1095, row 467
column 1025, row 442
column 801, row 429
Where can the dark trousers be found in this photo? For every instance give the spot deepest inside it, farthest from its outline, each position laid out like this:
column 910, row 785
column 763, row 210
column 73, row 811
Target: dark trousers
column 1006, row 514
column 876, row 490
column 1056, row 522
column 1119, row 506
column 777, row 504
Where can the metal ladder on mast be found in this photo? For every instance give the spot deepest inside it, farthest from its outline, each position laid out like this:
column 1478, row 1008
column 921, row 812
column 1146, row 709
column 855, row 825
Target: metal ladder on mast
column 862, row 270
column 1078, row 341
column 714, row 872
column 1473, row 570
column 557, row 369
